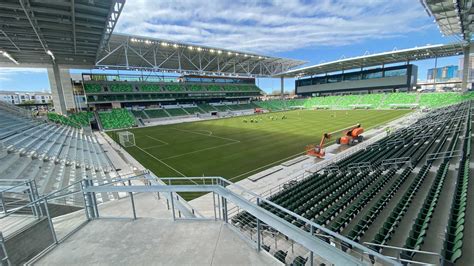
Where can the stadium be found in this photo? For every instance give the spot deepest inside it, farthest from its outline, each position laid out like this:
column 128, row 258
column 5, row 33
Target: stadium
column 163, row 152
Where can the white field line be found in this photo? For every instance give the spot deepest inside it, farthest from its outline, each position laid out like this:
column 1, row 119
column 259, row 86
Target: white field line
column 212, row 136
column 164, row 142
column 155, row 146
column 301, row 153
column 205, row 149
column 169, row 166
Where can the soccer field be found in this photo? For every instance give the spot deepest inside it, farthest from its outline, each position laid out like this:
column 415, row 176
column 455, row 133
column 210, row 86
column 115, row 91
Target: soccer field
column 235, row 149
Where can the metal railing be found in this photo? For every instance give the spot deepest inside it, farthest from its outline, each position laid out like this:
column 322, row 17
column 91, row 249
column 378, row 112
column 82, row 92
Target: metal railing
column 227, row 194
column 300, row 240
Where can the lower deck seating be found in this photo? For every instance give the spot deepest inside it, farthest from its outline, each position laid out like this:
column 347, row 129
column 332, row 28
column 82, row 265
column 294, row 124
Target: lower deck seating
column 156, row 113
column 207, row 107
column 394, row 184
column 117, row 118
column 54, row 155
column 176, row 112
column 194, row 110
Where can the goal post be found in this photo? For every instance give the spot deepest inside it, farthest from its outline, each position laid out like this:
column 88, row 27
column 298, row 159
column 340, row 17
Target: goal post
column 126, row 139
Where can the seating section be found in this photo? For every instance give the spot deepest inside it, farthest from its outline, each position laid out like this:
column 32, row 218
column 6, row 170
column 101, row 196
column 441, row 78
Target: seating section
column 139, row 114
column 176, row 111
column 240, row 88
column 222, row 108
column 373, row 100
column 54, row 155
column 244, row 106
column 173, row 87
column 399, row 98
column 347, row 101
column 207, row 107
column 117, row 118
column 82, row 118
column 120, row 87
column 156, row 113
column 61, row 119
column 391, row 188
column 193, row 110
column 92, row 88
column 439, row 99
column 453, row 245
column 370, row 101
column 150, row 88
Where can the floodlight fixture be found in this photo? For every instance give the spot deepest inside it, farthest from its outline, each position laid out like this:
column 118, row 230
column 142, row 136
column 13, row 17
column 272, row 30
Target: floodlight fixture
column 50, row 54
column 7, row 55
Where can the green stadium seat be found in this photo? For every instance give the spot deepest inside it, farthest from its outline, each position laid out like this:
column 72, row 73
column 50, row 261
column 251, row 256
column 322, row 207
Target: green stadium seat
column 150, row 88
column 92, row 88
column 176, row 112
column 156, row 113
column 120, row 87
column 117, row 118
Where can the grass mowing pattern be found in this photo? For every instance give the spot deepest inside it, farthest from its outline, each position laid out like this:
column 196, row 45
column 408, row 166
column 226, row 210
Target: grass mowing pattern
column 235, row 150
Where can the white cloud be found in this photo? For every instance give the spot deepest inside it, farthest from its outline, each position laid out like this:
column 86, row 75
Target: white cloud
column 272, row 25
column 10, row 74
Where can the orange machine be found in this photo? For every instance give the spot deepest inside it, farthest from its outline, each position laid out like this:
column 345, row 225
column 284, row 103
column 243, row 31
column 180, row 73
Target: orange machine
column 318, row 150
column 352, row 136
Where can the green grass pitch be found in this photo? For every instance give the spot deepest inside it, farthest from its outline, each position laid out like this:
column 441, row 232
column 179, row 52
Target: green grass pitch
column 235, row 149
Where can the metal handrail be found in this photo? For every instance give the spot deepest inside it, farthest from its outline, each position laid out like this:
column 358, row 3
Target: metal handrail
column 23, row 182
column 319, row 227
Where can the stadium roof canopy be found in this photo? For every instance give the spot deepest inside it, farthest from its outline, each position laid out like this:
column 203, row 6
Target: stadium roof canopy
column 454, row 17
column 151, row 54
column 70, row 31
column 396, row 56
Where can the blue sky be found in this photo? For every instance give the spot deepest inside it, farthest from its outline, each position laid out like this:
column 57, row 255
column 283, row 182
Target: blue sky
column 316, row 31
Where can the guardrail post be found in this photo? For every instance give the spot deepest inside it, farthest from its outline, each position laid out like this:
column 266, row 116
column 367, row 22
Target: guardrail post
column 36, row 196
column 4, row 260
column 94, row 200
column 50, row 221
column 224, row 209
column 311, row 254
column 2, row 202
column 214, row 205
column 31, row 195
column 133, row 202
column 88, row 208
column 258, row 231
column 172, row 206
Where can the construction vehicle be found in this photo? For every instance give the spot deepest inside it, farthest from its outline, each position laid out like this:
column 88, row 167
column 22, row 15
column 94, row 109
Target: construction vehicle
column 318, row 150
column 351, row 136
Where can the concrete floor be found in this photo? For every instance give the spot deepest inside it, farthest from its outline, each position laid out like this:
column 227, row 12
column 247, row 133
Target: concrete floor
column 149, row 241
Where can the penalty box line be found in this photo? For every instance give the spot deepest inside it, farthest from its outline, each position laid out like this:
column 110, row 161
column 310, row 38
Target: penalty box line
column 156, row 146
column 233, row 141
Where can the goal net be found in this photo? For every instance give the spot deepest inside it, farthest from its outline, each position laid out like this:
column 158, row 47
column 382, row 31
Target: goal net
column 126, row 139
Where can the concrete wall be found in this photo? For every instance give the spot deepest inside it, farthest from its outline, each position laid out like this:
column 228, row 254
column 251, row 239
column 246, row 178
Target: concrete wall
column 66, row 84
column 25, row 244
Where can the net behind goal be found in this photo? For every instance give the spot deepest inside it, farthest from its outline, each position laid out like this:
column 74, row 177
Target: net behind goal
column 126, row 139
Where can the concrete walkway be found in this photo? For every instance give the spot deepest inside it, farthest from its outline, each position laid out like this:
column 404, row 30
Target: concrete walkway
column 149, row 241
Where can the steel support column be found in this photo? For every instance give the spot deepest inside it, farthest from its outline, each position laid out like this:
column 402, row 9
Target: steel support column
column 466, row 67
column 282, row 87
column 59, row 88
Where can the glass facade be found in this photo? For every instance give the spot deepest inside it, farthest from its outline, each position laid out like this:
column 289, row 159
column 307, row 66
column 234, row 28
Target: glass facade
column 397, row 71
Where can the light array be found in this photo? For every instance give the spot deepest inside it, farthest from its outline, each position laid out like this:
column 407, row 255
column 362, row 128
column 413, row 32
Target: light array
column 7, row 55
column 192, row 48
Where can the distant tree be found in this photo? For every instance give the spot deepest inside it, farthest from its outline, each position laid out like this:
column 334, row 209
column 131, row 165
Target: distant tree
column 28, row 102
